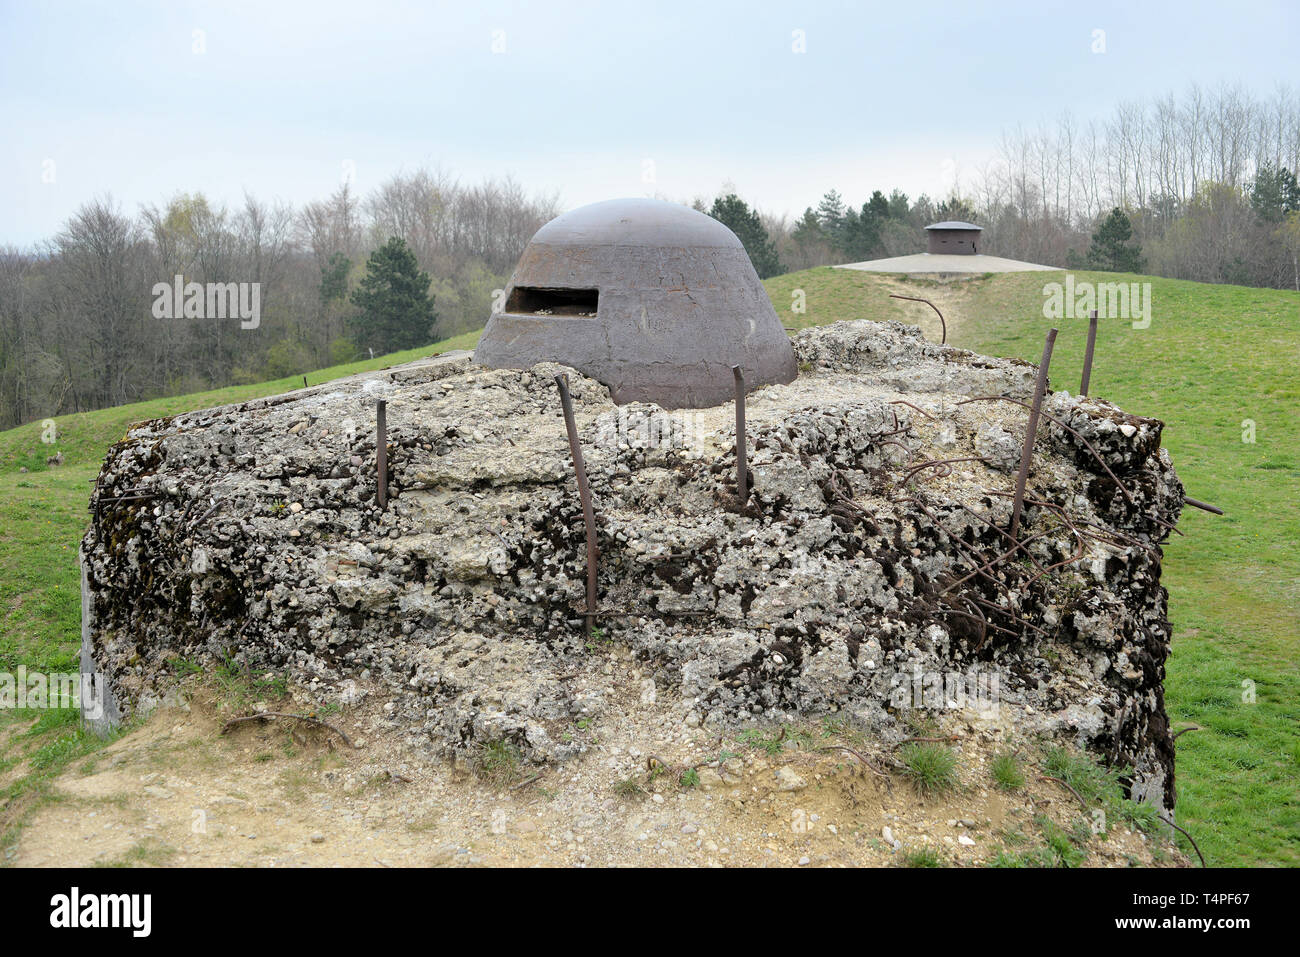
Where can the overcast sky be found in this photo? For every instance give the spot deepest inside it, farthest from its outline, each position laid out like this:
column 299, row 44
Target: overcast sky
column 283, row 98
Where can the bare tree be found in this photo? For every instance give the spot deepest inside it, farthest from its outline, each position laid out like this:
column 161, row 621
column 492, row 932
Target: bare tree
column 102, row 295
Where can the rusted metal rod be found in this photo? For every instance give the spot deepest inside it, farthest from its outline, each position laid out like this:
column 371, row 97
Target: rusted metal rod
column 942, row 325
column 381, row 452
column 1087, row 354
column 1203, row 505
column 742, row 459
column 1027, row 453
column 584, row 494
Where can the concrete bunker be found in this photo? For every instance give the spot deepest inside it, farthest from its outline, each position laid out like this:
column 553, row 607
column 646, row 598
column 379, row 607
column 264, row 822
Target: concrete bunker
column 953, row 238
column 653, row 299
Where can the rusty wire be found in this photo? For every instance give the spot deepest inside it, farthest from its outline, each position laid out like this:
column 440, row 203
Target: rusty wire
column 911, row 406
column 946, row 464
column 942, row 324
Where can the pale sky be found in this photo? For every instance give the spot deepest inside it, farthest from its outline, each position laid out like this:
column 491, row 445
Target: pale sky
column 281, row 98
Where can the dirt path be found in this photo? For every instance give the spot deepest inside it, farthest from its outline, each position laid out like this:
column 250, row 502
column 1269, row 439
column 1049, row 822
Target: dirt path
column 952, row 298
column 176, row 792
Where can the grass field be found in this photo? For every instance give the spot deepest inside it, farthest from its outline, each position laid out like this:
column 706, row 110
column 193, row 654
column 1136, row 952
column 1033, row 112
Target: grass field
column 1212, row 357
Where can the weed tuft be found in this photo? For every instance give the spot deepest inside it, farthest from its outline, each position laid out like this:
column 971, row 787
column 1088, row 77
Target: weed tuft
column 931, row 767
column 1006, row 772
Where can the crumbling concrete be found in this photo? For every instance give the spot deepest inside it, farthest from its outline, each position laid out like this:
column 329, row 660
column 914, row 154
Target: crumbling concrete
column 855, row 573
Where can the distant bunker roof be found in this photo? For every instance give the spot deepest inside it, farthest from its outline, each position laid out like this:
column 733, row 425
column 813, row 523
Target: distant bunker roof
column 655, row 300
column 953, row 251
column 953, row 238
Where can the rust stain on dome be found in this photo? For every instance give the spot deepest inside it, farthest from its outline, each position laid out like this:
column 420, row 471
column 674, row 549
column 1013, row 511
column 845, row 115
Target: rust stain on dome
column 655, row 300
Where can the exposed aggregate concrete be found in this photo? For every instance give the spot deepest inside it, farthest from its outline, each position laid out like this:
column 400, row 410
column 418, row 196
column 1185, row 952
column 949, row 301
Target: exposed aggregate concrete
column 840, row 579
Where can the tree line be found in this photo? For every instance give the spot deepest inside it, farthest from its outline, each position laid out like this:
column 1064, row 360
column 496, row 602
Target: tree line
column 78, row 330
column 1206, row 180
column 1200, row 186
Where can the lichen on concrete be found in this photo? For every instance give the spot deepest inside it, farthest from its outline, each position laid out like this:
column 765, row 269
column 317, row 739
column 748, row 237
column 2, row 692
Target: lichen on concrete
column 859, row 568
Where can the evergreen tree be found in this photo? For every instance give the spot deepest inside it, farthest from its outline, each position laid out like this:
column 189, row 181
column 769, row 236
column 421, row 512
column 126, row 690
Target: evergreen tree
column 831, row 214
column 734, row 213
column 1274, row 193
column 1111, row 249
column 898, row 206
column 807, row 232
column 860, row 235
column 809, row 229
column 878, row 207
column 334, row 278
column 955, row 209
column 396, row 310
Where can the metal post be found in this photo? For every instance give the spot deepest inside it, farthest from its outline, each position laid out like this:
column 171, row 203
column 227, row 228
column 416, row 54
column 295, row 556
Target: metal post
column 742, row 462
column 1087, row 355
column 381, row 456
column 584, row 493
column 1027, row 453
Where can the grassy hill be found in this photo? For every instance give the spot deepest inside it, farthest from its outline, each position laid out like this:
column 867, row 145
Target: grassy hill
column 43, row 510
column 1212, row 357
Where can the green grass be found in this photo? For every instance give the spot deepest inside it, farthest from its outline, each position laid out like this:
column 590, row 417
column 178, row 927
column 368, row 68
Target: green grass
column 238, row 690
column 922, row 858
column 1058, row 847
column 1080, row 772
column 763, row 740
column 150, row 852
column 629, row 787
column 931, row 767
column 53, row 741
column 1006, row 772
column 1051, row 846
column 498, row 762
column 1212, row 357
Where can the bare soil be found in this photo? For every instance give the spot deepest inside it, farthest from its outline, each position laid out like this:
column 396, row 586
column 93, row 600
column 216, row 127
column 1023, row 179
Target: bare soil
column 175, row 791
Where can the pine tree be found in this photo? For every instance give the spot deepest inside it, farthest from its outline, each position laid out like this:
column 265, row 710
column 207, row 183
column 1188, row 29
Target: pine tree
column 334, row 278
column 734, row 213
column 808, row 231
column 878, row 206
column 955, row 209
column 1111, row 249
column 898, row 206
column 396, row 311
column 1274, row 193
column 831, row 214
column 860, row 236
